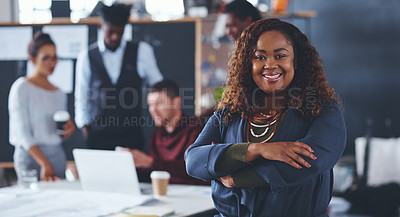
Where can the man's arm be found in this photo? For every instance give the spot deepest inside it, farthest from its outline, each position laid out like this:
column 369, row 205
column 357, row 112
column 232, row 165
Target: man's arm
column 147, row 64
column 83, row 74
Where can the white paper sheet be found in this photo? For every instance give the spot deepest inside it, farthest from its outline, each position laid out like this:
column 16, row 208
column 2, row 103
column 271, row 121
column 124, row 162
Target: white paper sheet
column 62, row 76
column 70, row 40
column 62, row 203
column 14, row 42
column 338, row 205
column 383, row 162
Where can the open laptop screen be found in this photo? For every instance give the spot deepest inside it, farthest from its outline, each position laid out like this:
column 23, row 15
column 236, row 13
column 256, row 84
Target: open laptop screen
column 110, row 171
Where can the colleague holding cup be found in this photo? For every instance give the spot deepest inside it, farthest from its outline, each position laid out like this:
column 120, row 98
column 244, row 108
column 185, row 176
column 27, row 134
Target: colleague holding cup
column 32, row 102
column 61, row 118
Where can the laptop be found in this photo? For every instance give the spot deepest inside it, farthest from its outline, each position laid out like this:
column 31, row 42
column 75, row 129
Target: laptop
column 109, row 171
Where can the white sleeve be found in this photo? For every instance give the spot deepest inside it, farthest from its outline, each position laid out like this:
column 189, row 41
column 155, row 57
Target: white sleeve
column 83, row 74
column 20, row 125
column 147, row 64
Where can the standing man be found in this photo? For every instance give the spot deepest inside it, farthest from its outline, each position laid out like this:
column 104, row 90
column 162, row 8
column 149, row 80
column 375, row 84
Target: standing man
column 240, row 14
column 109, row 79
column 175, row 132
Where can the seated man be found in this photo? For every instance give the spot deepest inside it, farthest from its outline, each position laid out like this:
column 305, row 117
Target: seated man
column 175, row 132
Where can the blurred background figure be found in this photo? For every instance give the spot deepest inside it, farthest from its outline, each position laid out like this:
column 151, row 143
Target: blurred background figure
column 33, row 100
column 240, row 14
column 175, row 132
column 109, row 79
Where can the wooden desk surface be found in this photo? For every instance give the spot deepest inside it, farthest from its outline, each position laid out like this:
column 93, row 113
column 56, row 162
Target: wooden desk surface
column 6, row 165
column 9, row 165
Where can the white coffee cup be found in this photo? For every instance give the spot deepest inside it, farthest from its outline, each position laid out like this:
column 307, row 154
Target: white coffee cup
column 61, row 117
column 160, row 181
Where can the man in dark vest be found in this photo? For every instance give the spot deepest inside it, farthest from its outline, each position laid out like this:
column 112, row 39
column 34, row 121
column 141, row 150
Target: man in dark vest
column 108, row 92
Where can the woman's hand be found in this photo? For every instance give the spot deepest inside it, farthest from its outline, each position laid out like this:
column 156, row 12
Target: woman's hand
column 46, row 169
column 288, row 152
column 69, row 128
column 47, row 173
column 227, row 181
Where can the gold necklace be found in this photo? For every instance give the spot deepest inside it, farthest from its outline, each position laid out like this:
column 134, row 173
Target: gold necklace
column 265, row 125
column 265, row 131
column 272, row 134
column 267, row 116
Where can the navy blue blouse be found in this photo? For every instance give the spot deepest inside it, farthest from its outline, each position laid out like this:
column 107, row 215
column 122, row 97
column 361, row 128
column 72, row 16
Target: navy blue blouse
column 292, row 192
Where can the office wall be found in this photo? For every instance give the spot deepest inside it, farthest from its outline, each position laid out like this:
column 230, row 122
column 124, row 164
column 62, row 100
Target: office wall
column 359, row 42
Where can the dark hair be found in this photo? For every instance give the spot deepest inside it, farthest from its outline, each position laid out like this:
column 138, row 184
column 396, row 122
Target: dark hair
column 117, row 14
column 242, row 9
column 170, row 87
column 39, row 40
column 308, row 77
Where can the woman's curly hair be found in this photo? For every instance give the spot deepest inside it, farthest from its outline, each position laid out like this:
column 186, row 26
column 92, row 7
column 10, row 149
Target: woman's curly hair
column 308, row 92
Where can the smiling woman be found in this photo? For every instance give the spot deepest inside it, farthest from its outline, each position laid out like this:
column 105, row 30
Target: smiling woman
column 273, row 48
column 269, row 150
column 273, row 62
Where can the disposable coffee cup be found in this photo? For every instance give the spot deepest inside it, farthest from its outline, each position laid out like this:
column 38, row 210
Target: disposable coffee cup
column 160, row 181
column 61, row 118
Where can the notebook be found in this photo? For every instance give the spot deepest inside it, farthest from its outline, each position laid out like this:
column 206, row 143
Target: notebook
column 146, row 211
column 109, row 171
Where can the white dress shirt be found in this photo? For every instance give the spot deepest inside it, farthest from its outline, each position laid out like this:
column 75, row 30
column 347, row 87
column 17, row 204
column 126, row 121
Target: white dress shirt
column 31, row 111
column 147, row 69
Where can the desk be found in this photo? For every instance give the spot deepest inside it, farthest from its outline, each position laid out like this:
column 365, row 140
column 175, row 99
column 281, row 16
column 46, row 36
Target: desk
column 186, row 200
column 7, row 174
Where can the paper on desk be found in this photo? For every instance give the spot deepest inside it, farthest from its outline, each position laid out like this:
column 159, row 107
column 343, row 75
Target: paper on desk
column 338, row 205
column 7, row 193
column 148, row 211
column 62, row 203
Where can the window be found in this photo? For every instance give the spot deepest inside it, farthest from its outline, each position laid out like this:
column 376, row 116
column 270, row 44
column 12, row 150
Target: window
column 81, row 9
column 165, row 10
column 34, row 11
column 39, row 11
